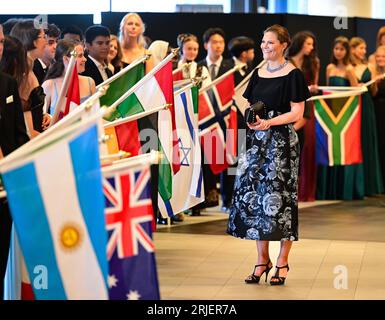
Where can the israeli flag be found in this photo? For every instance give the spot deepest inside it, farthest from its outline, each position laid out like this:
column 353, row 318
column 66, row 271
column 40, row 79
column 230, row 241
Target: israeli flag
column 56, row 200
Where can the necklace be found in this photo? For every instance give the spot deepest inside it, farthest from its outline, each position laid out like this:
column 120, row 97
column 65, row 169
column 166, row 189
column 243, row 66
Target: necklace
column 281, row 66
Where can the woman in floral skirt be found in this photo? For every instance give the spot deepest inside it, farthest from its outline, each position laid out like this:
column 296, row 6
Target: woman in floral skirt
column 265, row 202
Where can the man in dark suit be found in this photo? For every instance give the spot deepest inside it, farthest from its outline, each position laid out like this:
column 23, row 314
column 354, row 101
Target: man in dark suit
column 242, row 51
column 214, row 43
column 12, row 135
column 40, row 66
column 98, row 46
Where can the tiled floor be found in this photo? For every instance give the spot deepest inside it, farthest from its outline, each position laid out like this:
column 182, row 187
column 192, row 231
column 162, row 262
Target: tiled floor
column 213, row 265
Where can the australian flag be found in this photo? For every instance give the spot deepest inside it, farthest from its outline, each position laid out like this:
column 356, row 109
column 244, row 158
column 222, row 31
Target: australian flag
column 130, row 248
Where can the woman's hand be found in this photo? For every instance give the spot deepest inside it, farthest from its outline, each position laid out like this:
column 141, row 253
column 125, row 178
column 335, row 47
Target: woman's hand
column 313, row 88
column 380, row 77
column 260, row 124
column 46, row 121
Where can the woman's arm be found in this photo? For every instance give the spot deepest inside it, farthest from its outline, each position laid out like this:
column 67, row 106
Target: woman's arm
column 29, row 124
column 300, row 123
column 93, row 86
column 314, row 86
column 351, row 75
column 329, row 69
column 294, row 115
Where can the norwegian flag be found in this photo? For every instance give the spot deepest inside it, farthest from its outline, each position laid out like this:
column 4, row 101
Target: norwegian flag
column 130, row 249
column 217, row 123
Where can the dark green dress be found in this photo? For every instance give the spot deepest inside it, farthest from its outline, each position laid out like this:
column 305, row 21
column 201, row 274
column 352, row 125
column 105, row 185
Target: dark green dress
column 340, row 182
column 372, row 167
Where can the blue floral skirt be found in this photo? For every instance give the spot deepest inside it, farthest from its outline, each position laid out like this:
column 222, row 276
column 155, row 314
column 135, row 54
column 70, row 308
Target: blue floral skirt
column 265, row 199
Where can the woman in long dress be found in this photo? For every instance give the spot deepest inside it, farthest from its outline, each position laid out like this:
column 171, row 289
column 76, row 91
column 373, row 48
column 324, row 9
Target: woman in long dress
column 340, row 182
column 370, row 154
column 265, row 201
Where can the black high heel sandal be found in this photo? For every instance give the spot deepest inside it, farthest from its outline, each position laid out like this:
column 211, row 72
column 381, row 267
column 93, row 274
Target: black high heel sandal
column 255, row 279
column 281, row 280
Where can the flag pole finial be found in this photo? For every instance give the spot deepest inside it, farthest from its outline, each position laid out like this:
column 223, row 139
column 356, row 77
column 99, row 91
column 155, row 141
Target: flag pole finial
column 175, row 51
column 74, row 53
column 104, row 138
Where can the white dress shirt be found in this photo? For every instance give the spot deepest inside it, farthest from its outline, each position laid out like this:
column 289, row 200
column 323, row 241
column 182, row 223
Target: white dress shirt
column 101, row 67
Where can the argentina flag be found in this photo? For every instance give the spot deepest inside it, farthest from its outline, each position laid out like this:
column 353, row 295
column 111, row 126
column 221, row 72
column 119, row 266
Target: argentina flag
column 56, row 201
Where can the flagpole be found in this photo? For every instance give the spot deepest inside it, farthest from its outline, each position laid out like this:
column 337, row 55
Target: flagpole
column 249, row 75
column 183, row 89
column 382, row 76
column 153, row 157
column 342, row 88
column 180, row 83
column 217, row 80
column 340, row 94
column 64, row 88
column 86, row 105
column 125, row 70
column 135, row 116
column 184, row 65
column 244, row 80
column 144, row 79
column 15, row 158
column 120, row 155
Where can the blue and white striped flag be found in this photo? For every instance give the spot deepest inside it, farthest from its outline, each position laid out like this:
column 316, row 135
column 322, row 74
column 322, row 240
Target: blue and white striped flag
column 56, row 201
column 187, row 183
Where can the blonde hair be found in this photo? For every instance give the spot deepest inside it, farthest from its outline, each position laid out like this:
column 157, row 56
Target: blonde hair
column 380, row 33
column 382, row 47
column 354, row 43
column 141, row 40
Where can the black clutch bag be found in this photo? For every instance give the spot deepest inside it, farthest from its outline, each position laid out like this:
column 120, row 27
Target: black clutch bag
column 256, row 109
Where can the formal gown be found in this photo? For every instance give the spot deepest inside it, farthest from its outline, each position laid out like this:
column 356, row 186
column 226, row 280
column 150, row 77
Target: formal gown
column 340, row 182
column 379, row 108
column 265, row 201
column 372, row 167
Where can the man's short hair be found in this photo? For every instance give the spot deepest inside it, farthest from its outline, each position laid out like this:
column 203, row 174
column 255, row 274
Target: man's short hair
column 73, row 30
column 53, row 31
column 95, row 31
column 238, row 45
column 212, row 31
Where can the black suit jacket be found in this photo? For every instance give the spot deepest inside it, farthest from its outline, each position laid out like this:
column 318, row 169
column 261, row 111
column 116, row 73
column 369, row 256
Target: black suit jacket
column 226, row 65
column 39, row 71
column 12, row 127
column 93, row 72
column 237, row 75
